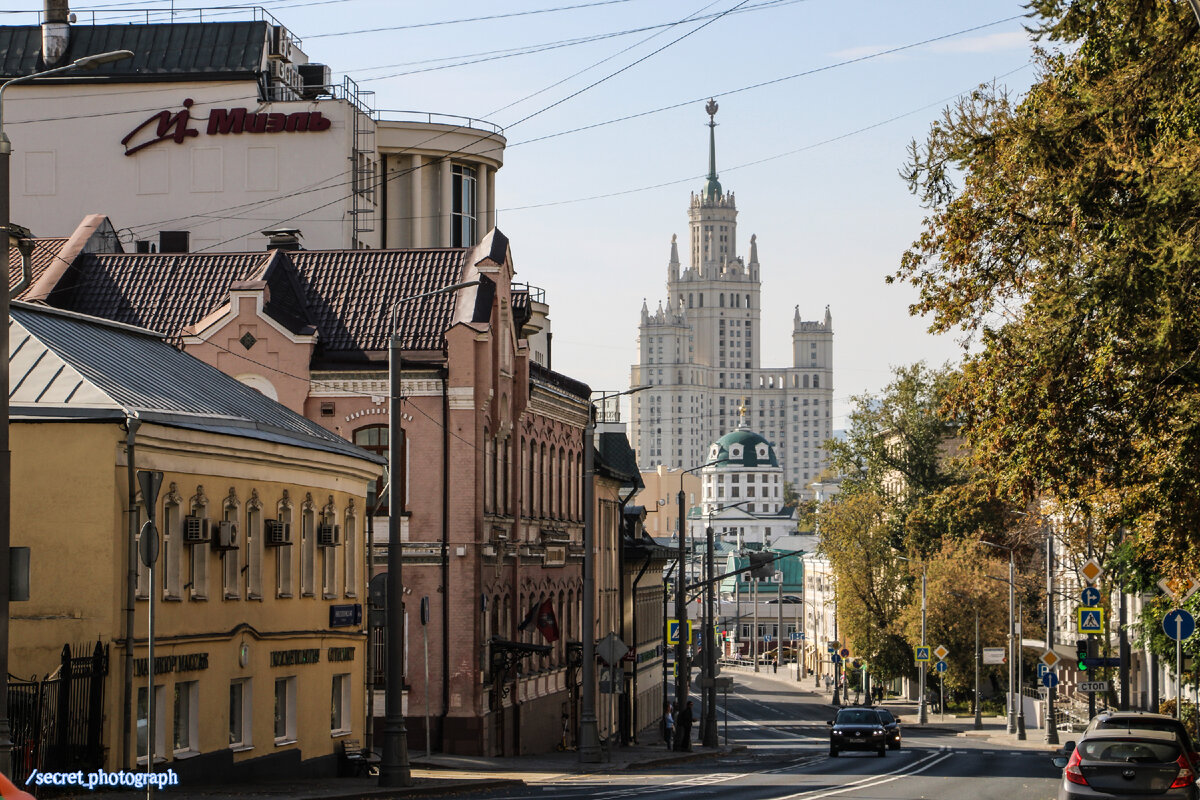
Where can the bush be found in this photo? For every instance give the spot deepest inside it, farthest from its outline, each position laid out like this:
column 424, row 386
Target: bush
column 1189, row 712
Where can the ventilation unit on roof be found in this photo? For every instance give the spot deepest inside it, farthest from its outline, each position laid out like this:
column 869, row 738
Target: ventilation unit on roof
column 174, row 241
column 315, row 80
column 281, row 44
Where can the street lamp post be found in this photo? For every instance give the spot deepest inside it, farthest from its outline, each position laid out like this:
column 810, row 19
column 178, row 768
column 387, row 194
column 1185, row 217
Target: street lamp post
column 87, row 62
column 708, row 725
column 682, row 664
column 1051, row 724
column 393, row 764
column 978, row 657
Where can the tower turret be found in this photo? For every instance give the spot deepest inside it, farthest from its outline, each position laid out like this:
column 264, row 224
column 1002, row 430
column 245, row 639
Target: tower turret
column 673, row 264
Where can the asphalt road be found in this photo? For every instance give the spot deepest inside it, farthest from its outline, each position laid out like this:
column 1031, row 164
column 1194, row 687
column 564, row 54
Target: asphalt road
column 784, row 755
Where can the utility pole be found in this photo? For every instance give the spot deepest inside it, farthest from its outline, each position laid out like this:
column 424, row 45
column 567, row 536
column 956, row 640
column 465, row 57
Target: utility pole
column 1051, row 723
column 682, row 668
column 708, row 732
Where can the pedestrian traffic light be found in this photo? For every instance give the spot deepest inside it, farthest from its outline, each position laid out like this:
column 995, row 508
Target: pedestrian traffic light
column 1081, row 654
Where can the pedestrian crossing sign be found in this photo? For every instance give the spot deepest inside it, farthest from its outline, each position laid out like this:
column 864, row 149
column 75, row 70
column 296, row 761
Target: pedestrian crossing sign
column 673, row 631
column 922, row 654
column 1091, row 619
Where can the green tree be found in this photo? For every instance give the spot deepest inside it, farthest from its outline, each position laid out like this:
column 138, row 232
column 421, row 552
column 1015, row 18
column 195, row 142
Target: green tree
column 1062, row 235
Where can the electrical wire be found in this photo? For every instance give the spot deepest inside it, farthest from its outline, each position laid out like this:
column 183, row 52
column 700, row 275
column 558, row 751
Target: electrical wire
column 416, row 25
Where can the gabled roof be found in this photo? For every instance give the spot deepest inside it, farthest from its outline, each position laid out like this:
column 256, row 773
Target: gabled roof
column 69, row 366
column 346, row 295
column 616, row 459
column 198, row 50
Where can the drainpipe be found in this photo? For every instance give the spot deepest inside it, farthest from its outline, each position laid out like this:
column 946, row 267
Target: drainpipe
column 128, row 755
column 445, row 557
column 25, row 246
column 383, row 200
column 633, row 701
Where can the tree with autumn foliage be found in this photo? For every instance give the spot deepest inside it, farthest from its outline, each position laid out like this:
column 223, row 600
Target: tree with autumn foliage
column 1063, row 236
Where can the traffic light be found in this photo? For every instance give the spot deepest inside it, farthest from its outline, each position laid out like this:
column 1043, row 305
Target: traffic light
column 1081, row 654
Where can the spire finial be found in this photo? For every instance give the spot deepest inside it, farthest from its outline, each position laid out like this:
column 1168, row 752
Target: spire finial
column 712, row 187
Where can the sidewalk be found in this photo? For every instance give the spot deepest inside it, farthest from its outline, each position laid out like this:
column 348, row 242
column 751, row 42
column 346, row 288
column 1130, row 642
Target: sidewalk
column 438, row 775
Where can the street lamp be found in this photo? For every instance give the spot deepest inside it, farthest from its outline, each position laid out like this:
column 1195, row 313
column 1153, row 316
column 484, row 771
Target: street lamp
column 393, row 764
column 87, row 62
column 589, row 732
column 708, row 725
column 922, row 712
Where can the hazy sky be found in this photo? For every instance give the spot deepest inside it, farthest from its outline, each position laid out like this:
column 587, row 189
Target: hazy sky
column 813, row 155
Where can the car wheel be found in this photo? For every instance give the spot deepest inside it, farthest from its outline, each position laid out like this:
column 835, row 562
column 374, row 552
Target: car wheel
column 833, row 751
column 882, row 752
column 894, row 746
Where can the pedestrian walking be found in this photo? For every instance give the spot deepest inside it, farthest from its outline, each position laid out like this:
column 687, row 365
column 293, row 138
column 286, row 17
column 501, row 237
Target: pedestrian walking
column 683, row 728
column 669, row 726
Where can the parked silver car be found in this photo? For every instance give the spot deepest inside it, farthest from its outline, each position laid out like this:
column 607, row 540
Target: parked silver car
column 1127, row 764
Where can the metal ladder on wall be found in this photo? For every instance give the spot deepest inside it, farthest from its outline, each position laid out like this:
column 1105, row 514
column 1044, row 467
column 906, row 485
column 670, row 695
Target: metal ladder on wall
column 364, row 181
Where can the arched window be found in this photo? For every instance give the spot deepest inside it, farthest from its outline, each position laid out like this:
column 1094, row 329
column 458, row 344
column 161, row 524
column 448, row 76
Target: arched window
column 805, row 381
column 543, row 480
column 571, row 485
column 816, row 381
column 374, row 439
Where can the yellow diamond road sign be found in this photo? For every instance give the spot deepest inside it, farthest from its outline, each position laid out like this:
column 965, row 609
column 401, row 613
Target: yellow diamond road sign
column 1092, row 570
column 1050, row 658
column 941, row 652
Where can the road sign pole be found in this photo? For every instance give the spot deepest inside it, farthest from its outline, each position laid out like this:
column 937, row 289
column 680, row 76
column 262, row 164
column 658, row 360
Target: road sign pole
column 1178, row 666
column 1051, row 723
column 922, row 714
column 978, row 661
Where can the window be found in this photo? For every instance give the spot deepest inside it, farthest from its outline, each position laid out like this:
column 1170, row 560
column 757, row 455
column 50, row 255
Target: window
column 283, row 553
column 172, row 549
column 329, row 570
column 462, row 213
column 374, row 439
column 308, row 548
column 187, row 719
column 231, row 562
column 160, row 723
column 254, row 547
column 350, row 544
column 198, row 553
column 339, row 709
column 240, row 703
column 285, row 710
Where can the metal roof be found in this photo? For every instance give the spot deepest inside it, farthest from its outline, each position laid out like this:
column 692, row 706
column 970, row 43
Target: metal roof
column 203, row 50
column 69, row 366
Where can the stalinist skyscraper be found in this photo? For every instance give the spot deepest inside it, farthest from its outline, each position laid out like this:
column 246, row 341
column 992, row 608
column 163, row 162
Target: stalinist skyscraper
column 700, row 352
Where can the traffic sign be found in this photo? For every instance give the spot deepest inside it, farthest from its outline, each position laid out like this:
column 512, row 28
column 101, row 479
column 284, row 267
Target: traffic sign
column 1092, row 570
column 941, row 652
column 1042, row 670
column 795, row 637
column 922, row 654
column 836, row 658
column 1179, row 589
column 831, row 647
column 1049, row 680
column 766, row 637
column 994, row 655
column 1090, row 596
column 1179, row 624
column 673, row 631
column 1050, row 658
column 1102, row 662
column 1093, row 686
column 942, row 666
column 1091, row 619
column 845, row 653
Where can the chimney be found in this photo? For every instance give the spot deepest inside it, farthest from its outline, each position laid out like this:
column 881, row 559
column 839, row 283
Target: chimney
column 283, row 239
column 56, row 31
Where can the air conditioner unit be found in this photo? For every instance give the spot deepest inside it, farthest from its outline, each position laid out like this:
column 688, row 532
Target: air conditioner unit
column 328, row 535
column 281, row 44
column 195, row 530
column 227, row 536
column 278, row 533
column 315, row 80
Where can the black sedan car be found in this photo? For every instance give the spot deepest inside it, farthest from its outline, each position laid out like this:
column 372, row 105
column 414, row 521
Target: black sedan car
column 857, row 729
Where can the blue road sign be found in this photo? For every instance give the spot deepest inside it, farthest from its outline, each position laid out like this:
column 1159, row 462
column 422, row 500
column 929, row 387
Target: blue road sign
column 1091, row 620
column 1050, row 680
column 836, row 658
column 831, row 649
column 1179, row 624
column 1042, row 670
column 942, row 666
column 845, row 653
column 1090, row 596
column 795, row 637
column 922, row 654
column 766, row 637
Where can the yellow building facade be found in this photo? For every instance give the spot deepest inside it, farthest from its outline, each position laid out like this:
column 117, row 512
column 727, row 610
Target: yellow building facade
column 259, row 582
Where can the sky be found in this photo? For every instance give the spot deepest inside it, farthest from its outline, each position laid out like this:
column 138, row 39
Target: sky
column 819, row 100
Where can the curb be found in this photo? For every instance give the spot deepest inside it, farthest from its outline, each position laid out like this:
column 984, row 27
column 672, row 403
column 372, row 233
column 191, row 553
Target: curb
column 695, row 756
column 433, row 790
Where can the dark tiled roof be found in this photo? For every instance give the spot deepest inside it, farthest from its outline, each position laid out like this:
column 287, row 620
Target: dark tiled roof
column 522, row 308
column 539, row 374
column 615, row 458
column 44, row 253
column 350, row 294
column 206, row 50
column 161, row 291
column 67, row 357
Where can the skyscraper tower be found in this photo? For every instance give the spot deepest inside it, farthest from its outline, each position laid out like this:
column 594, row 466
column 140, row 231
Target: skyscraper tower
column 700, row 353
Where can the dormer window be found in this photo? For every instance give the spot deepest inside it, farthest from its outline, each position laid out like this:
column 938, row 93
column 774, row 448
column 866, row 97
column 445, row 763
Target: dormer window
column 761, row 451
column 735, row 451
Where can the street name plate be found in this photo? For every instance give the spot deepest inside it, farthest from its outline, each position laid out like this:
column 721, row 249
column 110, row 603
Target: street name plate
column 994, row 655
column 1093, row 686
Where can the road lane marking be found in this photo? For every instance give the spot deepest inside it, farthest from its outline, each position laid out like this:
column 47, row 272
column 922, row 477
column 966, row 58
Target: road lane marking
column 870, row 782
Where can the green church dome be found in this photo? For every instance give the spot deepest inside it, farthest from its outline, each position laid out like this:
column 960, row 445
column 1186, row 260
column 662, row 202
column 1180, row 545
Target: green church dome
column 743, row 448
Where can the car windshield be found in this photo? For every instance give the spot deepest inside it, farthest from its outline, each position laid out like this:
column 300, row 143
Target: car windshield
column 884, row 716
column 1130, row 750
column 857, row 716
column 1139, row 724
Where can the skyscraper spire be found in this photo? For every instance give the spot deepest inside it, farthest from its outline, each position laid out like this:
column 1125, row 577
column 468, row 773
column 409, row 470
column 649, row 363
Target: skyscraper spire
column 712, row 187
